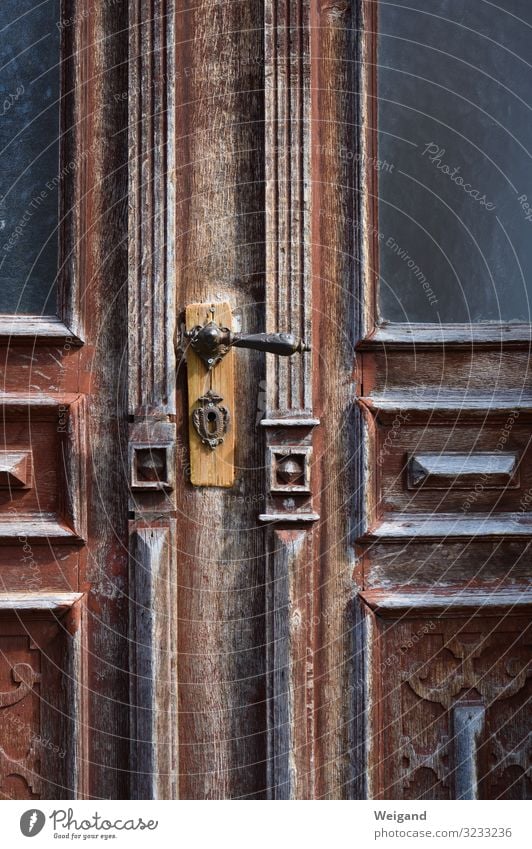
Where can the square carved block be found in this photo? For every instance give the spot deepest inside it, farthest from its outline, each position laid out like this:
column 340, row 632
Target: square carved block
column 289, row 468
column 152, row 456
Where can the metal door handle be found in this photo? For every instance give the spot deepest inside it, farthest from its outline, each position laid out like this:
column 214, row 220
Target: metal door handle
column 212, row 342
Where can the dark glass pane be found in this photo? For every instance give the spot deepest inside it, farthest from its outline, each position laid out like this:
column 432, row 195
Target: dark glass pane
column 29, row 155
column 455, row 160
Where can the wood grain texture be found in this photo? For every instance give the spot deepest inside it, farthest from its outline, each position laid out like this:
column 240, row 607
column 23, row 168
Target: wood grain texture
column 220, row 257
column 338, row 667
column 289, row 633
column 211, row 467
column 99, row 213
column 77, row 722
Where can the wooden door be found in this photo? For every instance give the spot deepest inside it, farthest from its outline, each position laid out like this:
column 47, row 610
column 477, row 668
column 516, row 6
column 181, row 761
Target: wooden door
column 63, row 569
column 443, row 394
column 364, row 632
column 349, row 618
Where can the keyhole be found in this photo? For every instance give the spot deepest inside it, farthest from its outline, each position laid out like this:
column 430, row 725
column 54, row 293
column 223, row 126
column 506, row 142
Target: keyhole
column 212, row 422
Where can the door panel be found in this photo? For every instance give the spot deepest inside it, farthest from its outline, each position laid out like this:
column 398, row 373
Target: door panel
column 63, row 570
column 42, row 690
column 446, row 427
column 454, row 696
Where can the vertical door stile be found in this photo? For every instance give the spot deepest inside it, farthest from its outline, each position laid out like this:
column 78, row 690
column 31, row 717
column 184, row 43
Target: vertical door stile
column 152, row 429
column 289, row 421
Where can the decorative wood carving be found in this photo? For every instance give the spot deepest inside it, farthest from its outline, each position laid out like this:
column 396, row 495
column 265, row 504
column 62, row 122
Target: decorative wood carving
column 43, row 720
column 152, row 456
column 438, row 761
column 289, row 468
column 26, row 769
column 23, row 675
column 447, row 690
column 288, row 261
column 504, row 757
column 466, row 677
column 289, row 421
column 288, row 155
column 19, row 758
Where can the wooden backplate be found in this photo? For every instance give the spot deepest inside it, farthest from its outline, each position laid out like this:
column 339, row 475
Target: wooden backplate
column 210, row 467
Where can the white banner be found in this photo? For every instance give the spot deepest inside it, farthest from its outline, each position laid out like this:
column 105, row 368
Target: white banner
column 257, row 825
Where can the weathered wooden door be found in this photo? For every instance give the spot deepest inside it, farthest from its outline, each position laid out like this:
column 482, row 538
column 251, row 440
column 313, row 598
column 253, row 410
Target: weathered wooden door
column 63, row 521
column 347, row 615
column 444, row 396
column 364, row 631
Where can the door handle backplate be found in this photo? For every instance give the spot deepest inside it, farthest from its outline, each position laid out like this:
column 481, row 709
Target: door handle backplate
column 211, row 386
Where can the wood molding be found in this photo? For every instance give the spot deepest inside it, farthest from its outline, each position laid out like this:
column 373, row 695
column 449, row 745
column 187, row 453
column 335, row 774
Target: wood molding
column 448, row 470
column 152, row 401
column 35, row 329
column 288, row 268
column 448, row 602
column 152, row 309
column 447, row 404
column 153, row 636
column 291, row 718
column 288, row 242
column 68, row 522
column 420, row 527
column 289, row 420
column 484, row 335
column 77, row 673
column 58, row 603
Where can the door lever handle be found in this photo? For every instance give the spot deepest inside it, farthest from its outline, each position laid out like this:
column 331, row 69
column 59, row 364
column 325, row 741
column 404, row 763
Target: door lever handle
column 212, row 342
